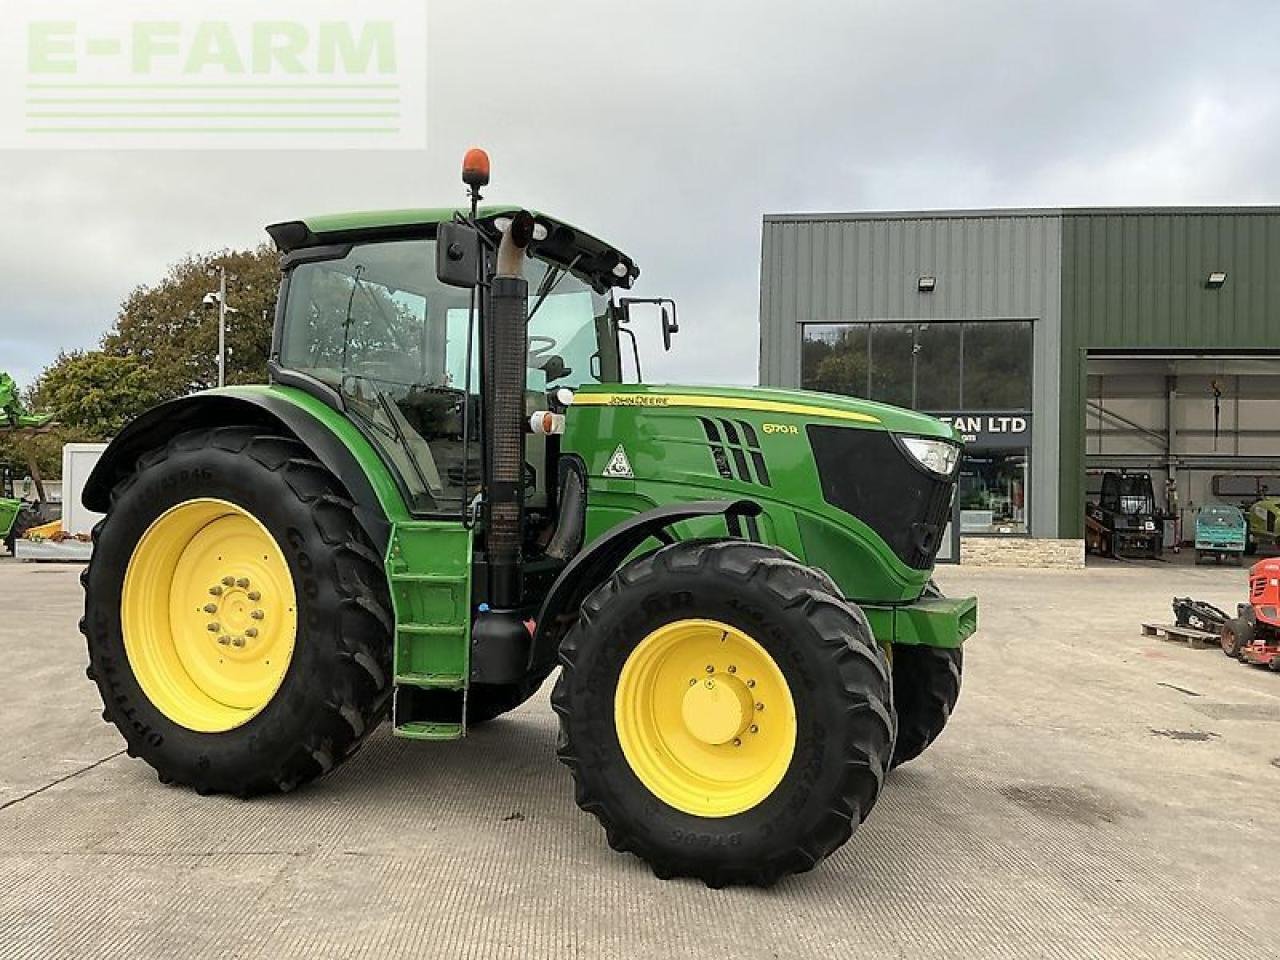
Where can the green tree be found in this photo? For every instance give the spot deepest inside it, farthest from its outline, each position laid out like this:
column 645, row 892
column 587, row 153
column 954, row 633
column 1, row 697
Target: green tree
column 93, row 394
column 171, row 331
column 20, row 449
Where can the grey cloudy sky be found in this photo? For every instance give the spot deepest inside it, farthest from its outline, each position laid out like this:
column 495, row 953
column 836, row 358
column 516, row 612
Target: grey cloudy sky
column 671, row 127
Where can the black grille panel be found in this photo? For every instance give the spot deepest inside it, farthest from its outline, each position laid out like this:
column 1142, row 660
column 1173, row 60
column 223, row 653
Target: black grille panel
column 866, row 474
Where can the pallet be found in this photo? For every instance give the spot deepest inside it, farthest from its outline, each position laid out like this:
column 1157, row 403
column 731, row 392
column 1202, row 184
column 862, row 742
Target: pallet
column 1172, row 633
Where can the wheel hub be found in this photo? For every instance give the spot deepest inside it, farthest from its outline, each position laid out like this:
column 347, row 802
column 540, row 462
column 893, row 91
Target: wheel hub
column 235, row 612
column 717, row 710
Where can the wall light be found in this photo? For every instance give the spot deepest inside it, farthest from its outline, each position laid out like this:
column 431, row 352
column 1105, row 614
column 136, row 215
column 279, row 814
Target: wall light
column 926, row 284
column 1216, row 279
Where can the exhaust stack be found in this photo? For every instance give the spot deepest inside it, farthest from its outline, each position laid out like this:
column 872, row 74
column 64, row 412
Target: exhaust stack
column 506, row 355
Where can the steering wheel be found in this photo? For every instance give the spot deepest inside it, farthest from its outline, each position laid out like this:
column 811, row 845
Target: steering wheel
column 539, row 347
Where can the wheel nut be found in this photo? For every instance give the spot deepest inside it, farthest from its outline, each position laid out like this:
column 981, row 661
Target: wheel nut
column 210, row 608
column 737, row 741
column 242, row 582
column 257, row 614
column 759, row 706
column 751, row 683
column 754, row 728
column 215, row 590
column 237, row 641
column 711, row 684
column 214, row 628
column 228, row 581
column 224, row 640
column 710, row 668
column 732, row 668
column 693, row 683
column 251, row 632
column 255, row 596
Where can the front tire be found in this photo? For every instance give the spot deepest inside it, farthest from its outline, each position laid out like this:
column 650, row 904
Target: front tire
column 926, row 686
column 724, row 717
column 236, row 615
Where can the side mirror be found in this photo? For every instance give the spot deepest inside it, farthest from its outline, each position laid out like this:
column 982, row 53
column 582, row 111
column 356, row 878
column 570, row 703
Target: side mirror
column 669, row 325
column 459, row 254
column 665, row 305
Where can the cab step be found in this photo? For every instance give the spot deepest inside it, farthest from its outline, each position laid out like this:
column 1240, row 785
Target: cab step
column 429, row 571
column 431, row 681
column 430, row 731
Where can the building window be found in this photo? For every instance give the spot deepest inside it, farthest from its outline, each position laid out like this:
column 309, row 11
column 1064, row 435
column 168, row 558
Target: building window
column 976, row 365
column 993, row 492
column 976, row 374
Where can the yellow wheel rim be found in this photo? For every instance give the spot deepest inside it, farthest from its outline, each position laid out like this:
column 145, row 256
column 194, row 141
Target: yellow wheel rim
column 705, row 718
column 209, row 615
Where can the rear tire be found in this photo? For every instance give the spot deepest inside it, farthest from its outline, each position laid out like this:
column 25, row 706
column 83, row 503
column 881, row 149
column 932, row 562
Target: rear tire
column 829, row 669
column 336, row 686
column 926, row 686
column 1235, row 636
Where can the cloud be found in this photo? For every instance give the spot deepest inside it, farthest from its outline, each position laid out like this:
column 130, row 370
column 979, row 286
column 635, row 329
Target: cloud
column 672, row 127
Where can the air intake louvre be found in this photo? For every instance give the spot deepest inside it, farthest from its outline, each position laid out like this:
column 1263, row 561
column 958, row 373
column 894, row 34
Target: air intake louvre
column 735, row 449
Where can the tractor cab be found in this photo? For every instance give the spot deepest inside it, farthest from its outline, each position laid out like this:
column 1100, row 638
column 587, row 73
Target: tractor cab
column 364, row 314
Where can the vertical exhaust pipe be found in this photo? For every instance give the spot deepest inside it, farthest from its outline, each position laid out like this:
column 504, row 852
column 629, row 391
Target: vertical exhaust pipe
column 506, row 355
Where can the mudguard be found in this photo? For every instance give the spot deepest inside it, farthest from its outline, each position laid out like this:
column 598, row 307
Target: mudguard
column 593, row 565
column 264, row 408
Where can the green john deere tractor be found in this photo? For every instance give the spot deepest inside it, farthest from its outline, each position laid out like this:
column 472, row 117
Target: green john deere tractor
column 446, row 491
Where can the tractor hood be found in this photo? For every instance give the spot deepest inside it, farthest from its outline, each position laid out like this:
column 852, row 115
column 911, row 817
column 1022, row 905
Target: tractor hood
column 819, row 407
column 838, row 479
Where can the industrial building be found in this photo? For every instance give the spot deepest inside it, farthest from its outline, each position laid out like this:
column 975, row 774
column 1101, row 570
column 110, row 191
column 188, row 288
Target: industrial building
column 1062, row 342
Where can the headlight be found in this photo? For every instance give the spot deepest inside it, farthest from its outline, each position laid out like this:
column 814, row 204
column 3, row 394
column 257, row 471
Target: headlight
column 936, row 456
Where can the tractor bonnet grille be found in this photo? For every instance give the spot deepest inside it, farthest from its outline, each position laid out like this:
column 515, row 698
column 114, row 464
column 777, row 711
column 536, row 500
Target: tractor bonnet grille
column 1257, row 587
column 866, row 474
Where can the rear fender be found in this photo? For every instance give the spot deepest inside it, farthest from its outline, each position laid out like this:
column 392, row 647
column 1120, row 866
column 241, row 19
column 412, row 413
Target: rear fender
column 271, row 409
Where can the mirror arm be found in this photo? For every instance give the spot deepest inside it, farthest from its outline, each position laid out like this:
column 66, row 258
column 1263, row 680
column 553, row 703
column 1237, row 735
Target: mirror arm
column 635, row 350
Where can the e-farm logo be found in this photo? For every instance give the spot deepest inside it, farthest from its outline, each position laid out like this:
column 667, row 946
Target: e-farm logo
column 214, row 74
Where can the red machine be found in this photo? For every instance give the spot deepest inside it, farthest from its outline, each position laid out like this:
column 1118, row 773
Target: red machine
column 1254, row 635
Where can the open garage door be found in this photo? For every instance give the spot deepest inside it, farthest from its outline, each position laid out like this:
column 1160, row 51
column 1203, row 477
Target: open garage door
column 1205, row 430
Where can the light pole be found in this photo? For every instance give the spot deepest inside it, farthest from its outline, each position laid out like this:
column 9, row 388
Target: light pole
column 222, row 326
column 220, row 298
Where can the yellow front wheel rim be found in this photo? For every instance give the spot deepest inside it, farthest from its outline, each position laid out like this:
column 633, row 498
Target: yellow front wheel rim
column 705, row 718
column 209, row 615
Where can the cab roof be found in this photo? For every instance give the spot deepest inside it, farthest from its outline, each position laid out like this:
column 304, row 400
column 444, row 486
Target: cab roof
column 590, row 258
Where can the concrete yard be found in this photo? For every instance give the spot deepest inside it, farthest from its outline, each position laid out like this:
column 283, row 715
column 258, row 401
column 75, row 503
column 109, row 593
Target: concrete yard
column 1098, row 794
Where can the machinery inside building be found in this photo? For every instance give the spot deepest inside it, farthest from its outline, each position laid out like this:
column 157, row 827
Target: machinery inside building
column 1205, row 428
